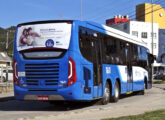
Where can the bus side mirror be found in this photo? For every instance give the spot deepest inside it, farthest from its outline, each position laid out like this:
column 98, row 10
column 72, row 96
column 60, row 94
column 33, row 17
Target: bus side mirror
column 151, row 58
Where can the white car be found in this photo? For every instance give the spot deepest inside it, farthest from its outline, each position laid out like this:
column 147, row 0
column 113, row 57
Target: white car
column 10, row 75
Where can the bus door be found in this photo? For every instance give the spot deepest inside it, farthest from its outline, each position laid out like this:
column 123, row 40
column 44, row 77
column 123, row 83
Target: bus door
column 128, row 51
column 97, row 66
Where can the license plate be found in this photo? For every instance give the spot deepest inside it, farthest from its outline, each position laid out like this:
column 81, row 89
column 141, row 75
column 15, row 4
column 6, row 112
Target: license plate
column 44, row 98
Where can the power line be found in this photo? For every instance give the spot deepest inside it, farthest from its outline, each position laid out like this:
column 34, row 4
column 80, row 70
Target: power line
column 156, row 9
column 132, row 16
column 110, row 8
column 146, row 8
column 143, row 15
column 103, row 5
column 134, row 12
column 155, row 5
column 99, row 9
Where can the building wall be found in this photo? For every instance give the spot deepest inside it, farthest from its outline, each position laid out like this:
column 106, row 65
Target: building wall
column 140, row 12
column 161, row 45
column 117, row 20
column 144, row 13
column 125, row 27
column 158, row 17
column 145, row 27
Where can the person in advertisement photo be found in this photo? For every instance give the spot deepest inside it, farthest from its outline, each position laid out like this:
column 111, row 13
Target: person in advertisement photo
column 27, row 37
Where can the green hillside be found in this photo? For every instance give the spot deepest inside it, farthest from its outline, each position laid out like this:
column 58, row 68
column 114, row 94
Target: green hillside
column 3, row 39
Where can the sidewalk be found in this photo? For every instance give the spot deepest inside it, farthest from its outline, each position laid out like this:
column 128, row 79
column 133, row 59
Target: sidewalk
column 6, row 96
column 161, row 86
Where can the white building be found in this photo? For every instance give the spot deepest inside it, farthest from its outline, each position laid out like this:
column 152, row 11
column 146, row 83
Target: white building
column 143, row 31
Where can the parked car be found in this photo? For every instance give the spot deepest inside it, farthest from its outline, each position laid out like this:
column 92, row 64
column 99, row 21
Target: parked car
column 159, row 76
column 10, row 75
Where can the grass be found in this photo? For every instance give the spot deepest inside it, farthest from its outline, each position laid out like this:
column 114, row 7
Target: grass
column 158, row 82
column 155, row 115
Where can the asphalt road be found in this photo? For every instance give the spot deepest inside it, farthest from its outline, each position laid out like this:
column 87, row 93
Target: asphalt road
column 128, row 105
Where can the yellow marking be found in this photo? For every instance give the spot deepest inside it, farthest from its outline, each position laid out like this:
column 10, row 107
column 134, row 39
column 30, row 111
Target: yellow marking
column 97, row 98
column 129, row 92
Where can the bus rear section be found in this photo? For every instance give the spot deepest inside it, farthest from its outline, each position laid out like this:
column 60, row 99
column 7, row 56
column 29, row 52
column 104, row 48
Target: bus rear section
column 44, row 68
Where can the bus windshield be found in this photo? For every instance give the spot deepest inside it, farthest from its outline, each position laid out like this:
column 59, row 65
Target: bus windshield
column 48, row 35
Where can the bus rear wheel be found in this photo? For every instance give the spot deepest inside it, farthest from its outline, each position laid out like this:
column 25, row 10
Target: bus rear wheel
column 106, row 98
column 115, row 98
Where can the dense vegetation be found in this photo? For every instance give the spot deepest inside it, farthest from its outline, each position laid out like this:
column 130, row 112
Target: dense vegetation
column 3, row 39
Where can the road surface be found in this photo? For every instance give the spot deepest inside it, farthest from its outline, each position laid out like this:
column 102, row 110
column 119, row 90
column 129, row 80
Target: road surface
column 153, row 99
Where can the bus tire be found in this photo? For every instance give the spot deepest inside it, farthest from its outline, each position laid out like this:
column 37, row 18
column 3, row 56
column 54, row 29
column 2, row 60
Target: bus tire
column 106, row 98
column 115, row 98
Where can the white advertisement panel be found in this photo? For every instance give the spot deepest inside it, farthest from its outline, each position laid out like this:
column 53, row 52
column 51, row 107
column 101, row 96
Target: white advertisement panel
column 56, row 35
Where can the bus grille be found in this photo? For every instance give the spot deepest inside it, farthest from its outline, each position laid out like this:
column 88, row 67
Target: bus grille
column 42, row 74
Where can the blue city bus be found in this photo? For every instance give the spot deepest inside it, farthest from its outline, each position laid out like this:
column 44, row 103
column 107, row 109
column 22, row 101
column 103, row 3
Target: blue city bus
column 78, row 61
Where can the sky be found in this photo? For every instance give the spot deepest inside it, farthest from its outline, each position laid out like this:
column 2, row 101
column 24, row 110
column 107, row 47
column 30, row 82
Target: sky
column 13, row 12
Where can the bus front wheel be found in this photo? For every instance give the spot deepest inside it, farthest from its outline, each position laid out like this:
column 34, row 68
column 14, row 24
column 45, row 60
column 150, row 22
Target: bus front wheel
column 106, row 98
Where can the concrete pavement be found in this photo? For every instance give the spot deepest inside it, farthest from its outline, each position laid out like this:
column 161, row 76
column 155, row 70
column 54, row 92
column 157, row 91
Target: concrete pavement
column 37, row 110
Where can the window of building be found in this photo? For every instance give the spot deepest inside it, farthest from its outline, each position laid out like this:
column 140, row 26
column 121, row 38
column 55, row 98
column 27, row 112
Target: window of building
column 154, row 45
column 154, row 35
column 135, row 33
column 125, row 26
column 144, row 35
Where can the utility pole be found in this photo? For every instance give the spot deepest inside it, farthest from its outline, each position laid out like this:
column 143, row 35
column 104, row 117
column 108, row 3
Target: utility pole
column 80, row 9
column 7, row 40
column 152, row 40
column 152, row 28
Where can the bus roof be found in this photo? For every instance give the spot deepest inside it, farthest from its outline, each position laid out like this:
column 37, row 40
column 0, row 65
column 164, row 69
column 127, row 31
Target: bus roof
column 43, row 22
column 117, row 33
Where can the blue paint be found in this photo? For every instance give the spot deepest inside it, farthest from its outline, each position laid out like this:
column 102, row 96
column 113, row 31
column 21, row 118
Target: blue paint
column 77, row 89
column 49, row 43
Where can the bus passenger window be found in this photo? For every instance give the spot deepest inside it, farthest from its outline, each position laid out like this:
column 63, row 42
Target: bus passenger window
column 85, row 44
column 135, row 55
column 122, row 53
